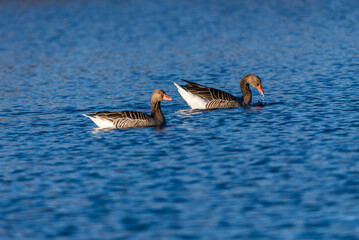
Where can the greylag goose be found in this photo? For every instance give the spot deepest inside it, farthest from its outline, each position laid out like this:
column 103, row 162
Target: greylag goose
column 201, row 97
column 129, row 119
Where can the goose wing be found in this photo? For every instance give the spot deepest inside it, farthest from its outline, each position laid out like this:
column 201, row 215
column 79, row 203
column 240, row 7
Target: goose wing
column 126, row 119
column 219, row 103
column 209, row 93
column 113, row 115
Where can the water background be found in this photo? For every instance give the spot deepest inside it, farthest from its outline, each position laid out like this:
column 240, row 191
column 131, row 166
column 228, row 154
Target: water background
column 283, row 171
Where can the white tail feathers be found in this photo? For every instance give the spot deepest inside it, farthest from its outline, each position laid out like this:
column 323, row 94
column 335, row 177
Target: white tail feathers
column 194, row 101
column 100, row 122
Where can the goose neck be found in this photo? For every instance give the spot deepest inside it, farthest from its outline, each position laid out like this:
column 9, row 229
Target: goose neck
column 156, row 111
column 246, row 92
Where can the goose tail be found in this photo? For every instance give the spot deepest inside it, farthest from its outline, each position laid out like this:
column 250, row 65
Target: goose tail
column 194, row 101
column 100, row 122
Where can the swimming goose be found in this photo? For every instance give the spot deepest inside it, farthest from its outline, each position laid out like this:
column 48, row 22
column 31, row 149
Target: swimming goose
column 129, row 119
column 201, row 97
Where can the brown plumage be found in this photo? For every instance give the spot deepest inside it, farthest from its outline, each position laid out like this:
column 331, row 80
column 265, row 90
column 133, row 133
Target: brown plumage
column 129, row 119
column 215, row 98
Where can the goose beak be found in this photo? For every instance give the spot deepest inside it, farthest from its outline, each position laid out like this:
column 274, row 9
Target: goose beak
column 166, row 97
column 260, row 89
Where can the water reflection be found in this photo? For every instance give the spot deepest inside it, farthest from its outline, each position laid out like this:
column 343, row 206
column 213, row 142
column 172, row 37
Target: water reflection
column 188, row 112
column 97, row 130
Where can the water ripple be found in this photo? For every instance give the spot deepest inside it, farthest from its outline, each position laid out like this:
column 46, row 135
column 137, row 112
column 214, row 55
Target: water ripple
column 284, row 168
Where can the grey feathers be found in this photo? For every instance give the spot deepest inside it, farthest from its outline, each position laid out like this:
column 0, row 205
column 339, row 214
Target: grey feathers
column 216, row 98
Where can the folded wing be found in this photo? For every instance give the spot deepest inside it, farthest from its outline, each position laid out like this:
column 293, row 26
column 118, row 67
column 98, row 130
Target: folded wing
column 125, row 119
column 209, row 93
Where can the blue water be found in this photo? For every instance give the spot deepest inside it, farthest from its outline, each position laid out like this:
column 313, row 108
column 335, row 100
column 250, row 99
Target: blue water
column 279, row 171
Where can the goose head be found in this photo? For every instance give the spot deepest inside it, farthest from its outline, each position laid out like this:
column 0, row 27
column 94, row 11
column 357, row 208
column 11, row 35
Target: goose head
column 254, row 81
column 159, row 95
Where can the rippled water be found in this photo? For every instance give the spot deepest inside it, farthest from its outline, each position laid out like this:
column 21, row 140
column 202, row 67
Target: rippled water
column 278, row 171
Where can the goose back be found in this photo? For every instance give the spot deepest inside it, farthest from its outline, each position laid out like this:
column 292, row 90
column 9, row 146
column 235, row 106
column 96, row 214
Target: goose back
column 127, row 119
column 209, row 93
column 216, row 98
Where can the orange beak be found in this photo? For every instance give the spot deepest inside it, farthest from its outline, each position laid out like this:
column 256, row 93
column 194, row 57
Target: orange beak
column 260, row 89
column 166, row 97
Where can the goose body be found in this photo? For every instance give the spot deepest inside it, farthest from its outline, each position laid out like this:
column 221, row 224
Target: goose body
column 201, row 97
column 131, row 119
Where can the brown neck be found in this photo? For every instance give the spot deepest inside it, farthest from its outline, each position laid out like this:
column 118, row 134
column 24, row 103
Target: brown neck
column 246, row 92
column 156, row 111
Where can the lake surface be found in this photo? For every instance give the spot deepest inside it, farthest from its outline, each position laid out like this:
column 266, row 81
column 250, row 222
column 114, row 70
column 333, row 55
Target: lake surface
column 279, row 171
